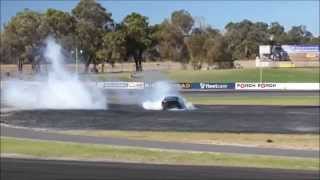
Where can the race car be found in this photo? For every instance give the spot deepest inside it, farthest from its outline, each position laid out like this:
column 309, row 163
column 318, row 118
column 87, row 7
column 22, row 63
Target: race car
column 172, row 102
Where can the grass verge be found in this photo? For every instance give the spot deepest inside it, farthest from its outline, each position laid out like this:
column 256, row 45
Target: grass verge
column 48, row 149
column 289, row 141
column 256, row 100
column 280, row 75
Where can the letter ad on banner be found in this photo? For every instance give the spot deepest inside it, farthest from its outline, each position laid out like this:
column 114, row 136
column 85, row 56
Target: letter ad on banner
column 135, row 85
column 278, row 86
column 113, row 85
column 185, row 85
column 225, row 86
column 257, row 86
column 207, row 86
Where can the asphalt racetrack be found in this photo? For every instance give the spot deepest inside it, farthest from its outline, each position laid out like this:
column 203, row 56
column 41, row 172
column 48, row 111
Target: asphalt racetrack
column 14, row 169
column 259, row 119
column 251, row 119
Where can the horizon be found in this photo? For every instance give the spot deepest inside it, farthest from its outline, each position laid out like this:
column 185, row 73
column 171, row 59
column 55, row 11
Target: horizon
column 213, row 13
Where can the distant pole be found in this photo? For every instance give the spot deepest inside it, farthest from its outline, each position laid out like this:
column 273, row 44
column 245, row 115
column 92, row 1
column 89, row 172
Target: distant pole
column 76, row 60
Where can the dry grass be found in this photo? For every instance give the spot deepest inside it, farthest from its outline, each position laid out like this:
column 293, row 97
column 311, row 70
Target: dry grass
column 290, row 141
column 60, row 150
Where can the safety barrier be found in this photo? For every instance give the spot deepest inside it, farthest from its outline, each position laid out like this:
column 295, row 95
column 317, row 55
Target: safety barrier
column 202, row 86
column 206, row 86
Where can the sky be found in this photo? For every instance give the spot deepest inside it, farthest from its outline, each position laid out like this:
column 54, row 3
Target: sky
column 216, row 13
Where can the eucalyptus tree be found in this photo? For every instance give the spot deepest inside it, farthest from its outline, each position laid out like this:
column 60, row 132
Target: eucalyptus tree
column 136, row 30
column 92, row 22
column 22, row 36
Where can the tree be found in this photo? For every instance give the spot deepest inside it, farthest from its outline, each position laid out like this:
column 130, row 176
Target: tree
column 57, row 23
column 278, row 33
column 113, row 48
column 6, row 56
column 183, row 20
column 136, row 30
column 195, row 45
column 244, row 38
column 89, row 40
column 199, row 42
column 299, row 34
column 60, row 25
column 315, row 40
column 173, row 35
column 92, row 21
column 23, row 36
column 217, row 52
column 153, row 50
column 93, row 12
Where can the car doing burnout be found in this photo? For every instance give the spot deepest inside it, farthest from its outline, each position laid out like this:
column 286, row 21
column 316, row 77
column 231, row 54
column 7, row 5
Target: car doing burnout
column 173, row 102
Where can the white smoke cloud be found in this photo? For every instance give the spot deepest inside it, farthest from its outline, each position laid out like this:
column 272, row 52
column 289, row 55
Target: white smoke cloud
column 60, row 90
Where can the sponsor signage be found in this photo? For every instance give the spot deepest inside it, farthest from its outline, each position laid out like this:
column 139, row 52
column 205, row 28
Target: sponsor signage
column 198, row 86
column 255, row 86
column 113, row 85
column 277, row 86
column 121, row 85
column 214, row 85
column 301, row 48
column 135, row 85
column 204, row 86
column 185, row 85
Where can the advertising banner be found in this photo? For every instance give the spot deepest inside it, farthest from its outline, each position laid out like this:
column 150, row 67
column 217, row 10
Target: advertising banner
column 113, row 85
column 256, row 86
column 214, row 86
column 277, row 86
column 292, row 49
column 238, row 86
column 135, row 85
column 185, row 85
column 121, row 85
column 301, row 86
column 207, row 86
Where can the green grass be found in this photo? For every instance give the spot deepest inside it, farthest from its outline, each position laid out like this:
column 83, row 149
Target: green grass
column 289, row 141
column 280, row 75
column 256, row 100
column 49, row 149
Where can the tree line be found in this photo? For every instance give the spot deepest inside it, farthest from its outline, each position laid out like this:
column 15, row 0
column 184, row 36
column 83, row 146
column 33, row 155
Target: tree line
column 181, row 38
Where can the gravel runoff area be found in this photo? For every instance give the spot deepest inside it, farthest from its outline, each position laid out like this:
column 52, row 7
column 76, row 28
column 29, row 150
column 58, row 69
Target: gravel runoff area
column 255, row 119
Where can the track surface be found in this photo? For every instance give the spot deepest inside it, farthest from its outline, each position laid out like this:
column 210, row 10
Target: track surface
column 259, row 119
column 262, row 119
column 13, row 169
column 31, row 134
column 136, row 96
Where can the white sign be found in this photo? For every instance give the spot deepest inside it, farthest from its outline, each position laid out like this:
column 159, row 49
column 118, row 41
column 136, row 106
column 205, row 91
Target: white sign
column 301, row 48
column 277, row 86
column 113, row 85
column 135, row 85
column 120, row 85
column 264, row 49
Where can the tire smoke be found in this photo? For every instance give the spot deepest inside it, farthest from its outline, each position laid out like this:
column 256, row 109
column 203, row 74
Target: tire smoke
column 60, row 90
column 159, row 90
